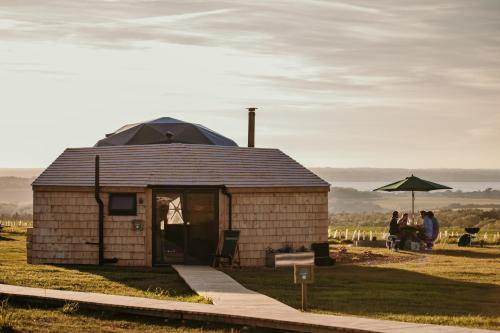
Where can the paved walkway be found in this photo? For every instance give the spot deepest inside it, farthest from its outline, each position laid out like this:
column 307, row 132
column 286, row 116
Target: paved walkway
column 226, row 293
column 281, row 317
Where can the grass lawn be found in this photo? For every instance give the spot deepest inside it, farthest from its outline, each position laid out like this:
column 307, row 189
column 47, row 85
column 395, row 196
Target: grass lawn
column 49, row 318
column 160, row 283
column 451, row 286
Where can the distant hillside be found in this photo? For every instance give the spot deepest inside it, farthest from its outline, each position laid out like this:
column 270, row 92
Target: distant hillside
column 16, row 190
column 15, row 185
column 10, row 211
column 379, row 174
column 350, row 200
column 20, row 172
column 352, row 174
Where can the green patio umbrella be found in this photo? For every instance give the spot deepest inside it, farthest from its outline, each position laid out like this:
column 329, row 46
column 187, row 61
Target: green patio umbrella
column 412, row 184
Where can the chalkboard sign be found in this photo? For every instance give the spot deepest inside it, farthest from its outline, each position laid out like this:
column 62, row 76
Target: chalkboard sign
column 230, row 243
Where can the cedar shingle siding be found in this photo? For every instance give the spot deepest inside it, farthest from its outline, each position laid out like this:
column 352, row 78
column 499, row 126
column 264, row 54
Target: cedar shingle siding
column 65, row 230
column 274, row 220
column 276, row 201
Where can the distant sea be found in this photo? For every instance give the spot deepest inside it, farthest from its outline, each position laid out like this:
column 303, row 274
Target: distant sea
column 457, row 186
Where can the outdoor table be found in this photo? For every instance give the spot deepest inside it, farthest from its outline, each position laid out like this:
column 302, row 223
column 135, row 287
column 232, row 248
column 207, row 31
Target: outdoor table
column 411, row 232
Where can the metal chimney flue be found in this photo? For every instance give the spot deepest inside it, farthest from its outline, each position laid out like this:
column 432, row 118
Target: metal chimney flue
column 251, row 127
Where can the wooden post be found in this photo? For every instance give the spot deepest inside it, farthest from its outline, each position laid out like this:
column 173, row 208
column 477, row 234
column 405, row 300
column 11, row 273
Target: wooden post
column 304, row 296
column 303, row 274
column 413, row 207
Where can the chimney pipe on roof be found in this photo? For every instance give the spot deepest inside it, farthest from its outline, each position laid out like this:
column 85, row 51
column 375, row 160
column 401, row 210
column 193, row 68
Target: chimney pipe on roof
column 251, row 127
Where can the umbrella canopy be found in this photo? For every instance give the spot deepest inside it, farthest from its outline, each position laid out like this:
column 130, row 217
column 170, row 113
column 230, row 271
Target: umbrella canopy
column 164, row 130
column 412, row 184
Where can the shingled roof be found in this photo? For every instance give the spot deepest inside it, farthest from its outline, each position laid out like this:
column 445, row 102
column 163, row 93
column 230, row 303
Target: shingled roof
column 178, row 164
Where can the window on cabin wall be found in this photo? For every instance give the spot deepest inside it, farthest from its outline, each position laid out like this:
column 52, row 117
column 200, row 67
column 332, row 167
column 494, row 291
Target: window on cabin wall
column 124, row 204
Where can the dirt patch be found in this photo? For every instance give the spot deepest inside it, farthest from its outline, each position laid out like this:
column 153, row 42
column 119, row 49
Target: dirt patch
column 344, row 255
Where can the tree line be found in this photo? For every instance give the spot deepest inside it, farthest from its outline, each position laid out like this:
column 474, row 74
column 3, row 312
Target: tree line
column 16, row 212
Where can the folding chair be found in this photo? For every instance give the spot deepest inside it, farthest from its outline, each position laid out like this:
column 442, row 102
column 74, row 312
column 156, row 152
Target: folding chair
column 230, row 249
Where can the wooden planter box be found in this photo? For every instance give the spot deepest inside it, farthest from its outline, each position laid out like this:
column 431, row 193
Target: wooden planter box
column 289, row 259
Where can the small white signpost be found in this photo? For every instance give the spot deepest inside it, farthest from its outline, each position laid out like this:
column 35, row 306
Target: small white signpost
column 303, row 274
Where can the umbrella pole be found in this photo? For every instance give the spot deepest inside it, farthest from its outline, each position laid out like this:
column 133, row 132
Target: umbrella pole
column 413, row 206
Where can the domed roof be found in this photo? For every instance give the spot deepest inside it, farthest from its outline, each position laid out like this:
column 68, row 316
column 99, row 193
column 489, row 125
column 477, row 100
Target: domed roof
column 164, row 130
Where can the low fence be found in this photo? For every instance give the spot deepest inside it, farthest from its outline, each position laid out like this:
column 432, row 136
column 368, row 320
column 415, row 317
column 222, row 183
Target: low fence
column 344, row 234
column 10, row 223
column 444, row 236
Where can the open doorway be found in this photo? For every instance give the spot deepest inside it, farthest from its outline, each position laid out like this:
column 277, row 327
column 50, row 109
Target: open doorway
column 185, row 226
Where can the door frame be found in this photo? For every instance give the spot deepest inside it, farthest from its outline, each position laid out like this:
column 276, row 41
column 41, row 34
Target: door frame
column 183, row 190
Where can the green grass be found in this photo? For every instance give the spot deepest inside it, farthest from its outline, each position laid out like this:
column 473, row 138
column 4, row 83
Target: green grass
column 451, row 286
column 160, row 283
column 28, row 317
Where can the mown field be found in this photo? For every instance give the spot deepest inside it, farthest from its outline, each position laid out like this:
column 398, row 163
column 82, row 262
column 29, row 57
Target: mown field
column 449, row 286
column 48, row 318
column 158, row 282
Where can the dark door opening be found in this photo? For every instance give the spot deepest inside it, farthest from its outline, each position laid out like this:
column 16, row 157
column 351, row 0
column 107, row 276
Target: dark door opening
column 185, row 226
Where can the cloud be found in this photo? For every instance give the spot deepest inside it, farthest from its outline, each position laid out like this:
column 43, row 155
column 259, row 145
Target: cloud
column 340, row 69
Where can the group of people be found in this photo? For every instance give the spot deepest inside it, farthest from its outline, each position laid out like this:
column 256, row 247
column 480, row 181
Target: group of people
column 401, row 232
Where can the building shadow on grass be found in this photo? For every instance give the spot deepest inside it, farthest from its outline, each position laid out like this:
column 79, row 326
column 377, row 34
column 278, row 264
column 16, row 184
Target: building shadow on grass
column 463, row 252
column 113, row 320
column 363, row 290
column 156, row 282
column 3, row 238
column 370, row 290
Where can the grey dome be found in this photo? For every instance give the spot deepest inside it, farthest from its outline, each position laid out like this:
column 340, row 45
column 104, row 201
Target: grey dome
column 164, row 130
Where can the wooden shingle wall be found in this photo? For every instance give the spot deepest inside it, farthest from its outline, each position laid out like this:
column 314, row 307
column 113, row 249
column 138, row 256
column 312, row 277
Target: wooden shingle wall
column 121, row 240
column 66, row 220
column 63, row 224
column 277, row 219
column 65, row 229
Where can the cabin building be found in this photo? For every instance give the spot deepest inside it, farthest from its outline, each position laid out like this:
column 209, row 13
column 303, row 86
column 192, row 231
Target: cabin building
column 159, row 204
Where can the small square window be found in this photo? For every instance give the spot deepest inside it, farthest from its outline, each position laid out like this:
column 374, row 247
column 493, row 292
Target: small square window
column 122, row 204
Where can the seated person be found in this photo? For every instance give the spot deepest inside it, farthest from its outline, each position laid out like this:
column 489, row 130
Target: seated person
column 404, row 233
column 394, row 232
column 393, row 225
column 435, row 225
column 428, row 230
column 403, row 221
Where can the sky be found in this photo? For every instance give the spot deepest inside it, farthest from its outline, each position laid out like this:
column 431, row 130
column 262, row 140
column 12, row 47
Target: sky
column 365, row 83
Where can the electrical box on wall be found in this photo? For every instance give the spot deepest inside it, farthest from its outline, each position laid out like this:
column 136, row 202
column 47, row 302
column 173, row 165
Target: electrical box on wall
column 138, row 225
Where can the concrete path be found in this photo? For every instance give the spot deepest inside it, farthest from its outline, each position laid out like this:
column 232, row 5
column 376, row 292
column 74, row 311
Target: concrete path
column 280, row 318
